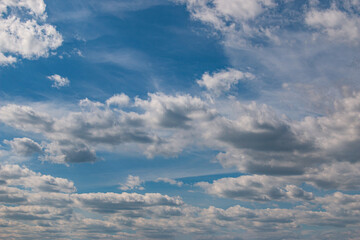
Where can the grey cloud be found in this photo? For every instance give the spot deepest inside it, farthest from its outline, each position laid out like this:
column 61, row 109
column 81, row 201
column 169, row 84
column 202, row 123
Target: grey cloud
column 31, row 213
column 24, row 146
column 256, row 188
column 10, row 172
column 25, row 118
column 336, row 176
column 69, row 152
column 252, row 138
column 174, row 111
column 74, row 137
column 112, row 202
column 53, row 199
column 264, row 137
column 275, row 170
column 12, row 196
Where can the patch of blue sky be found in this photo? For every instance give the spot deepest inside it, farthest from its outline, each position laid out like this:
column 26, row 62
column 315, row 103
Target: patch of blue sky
column 169, row 56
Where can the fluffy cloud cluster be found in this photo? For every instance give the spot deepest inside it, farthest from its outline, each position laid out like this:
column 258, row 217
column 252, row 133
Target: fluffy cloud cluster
column 24, row 146
column 242, row 21
column 29, row 199
column 23, row 31
column 223, row 80
column 132, row 182
column 256, row 188
column 248, row 136
column 59, row 81
column 284, row 157
column 305, row 53
column 337, row 24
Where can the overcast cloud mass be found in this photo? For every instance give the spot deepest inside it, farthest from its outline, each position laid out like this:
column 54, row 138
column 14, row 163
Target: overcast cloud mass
column 180, row 119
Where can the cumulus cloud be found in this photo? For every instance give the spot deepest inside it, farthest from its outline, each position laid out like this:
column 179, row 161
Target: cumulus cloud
column 283, row 154
column 36, row 7
column 24, row 146
column 69, row 152
column 249, row 136
column 337, row 24
column 256, row 188
column 25, row 118
column 223, row 80
column 25, row 35
column 28, row 198
column 112, row 202
column 118, row 100
column 15, row 175
column 59, row 81
column 132, row 182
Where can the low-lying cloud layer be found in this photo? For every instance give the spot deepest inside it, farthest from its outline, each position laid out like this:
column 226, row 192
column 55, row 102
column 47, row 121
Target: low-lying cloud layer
column 52, row 205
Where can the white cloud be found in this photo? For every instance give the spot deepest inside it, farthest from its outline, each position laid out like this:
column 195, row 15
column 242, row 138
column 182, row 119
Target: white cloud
column 223, row 80
column 233, row 18
column 118, row 100
column 132, row 183
column 59, row 81
column 338, row 25
column 169, row 181
column 15, row 175
column 30, row 38
column 5, row 60
column 242, row 9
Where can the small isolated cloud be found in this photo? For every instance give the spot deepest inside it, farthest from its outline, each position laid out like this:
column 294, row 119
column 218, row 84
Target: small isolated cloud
column 118, row 100
column 132, row 182
column 59, row 81
column 169, row 181
column 222, row 81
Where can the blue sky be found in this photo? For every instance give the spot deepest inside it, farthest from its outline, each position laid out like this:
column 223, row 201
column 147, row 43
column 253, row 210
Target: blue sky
column 179, row 119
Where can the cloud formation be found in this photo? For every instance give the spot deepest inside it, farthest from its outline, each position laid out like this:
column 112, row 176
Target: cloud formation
column 59, row 81
column 24, row 32
column 24, row 146
column 222, row 81
column 299, row 172
column 256, row 188
column 61, row 213
column 132, row 182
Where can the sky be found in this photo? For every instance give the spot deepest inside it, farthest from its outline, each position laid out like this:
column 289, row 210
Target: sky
column 179, row 119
